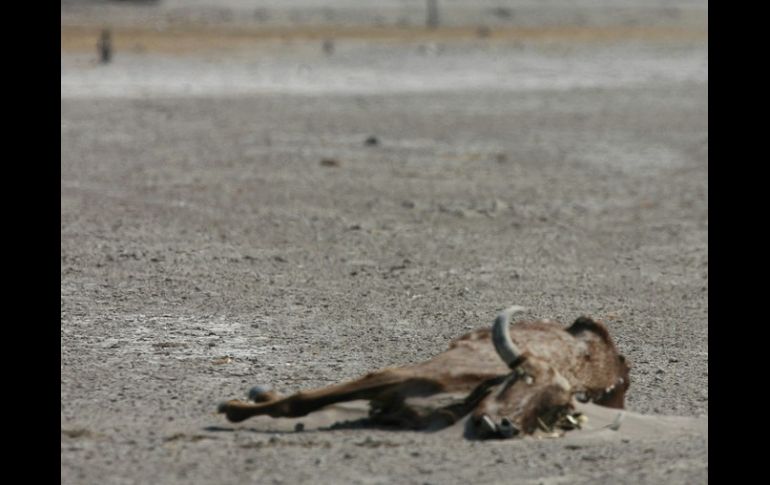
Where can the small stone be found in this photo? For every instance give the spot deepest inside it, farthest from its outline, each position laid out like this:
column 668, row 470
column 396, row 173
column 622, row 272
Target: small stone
column 372, row 141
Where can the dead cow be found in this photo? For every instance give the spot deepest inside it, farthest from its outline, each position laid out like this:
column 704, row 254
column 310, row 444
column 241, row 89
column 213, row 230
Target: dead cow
column 511, row 379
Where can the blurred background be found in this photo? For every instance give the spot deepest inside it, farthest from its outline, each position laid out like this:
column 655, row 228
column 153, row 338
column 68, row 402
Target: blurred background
column 236, row 46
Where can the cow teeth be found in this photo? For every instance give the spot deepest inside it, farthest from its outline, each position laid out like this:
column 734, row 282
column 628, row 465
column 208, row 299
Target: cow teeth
column 573, row 423
column 543, row 426
column 487, row 426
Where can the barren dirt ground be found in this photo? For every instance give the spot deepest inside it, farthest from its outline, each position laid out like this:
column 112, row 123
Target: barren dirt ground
column 214, row 241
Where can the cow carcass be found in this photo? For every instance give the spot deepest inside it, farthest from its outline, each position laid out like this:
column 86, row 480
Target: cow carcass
column 510, row 379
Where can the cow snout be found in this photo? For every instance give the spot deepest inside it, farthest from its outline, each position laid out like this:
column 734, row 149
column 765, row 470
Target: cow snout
column 487, row 428
column 507, row 428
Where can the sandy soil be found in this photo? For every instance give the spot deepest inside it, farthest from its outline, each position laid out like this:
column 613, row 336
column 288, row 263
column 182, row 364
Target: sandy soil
column 206, row 247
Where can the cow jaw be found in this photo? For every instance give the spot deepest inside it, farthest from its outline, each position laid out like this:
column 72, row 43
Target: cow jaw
column 534, row 397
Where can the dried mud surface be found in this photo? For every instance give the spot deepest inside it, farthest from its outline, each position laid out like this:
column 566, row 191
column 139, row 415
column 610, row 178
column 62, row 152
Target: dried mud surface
column 214, row 242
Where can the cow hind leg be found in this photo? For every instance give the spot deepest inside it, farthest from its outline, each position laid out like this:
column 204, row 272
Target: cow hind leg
column 370, row 387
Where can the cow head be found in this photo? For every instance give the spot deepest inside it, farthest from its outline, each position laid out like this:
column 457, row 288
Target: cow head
column 537, row 395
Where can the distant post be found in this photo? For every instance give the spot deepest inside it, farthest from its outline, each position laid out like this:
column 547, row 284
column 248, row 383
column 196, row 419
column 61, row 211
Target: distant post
column 432, row 7
column 105, row 46
column 328, row 47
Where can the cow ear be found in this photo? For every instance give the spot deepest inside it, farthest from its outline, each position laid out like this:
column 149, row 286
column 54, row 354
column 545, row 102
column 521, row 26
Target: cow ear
column 585, row 324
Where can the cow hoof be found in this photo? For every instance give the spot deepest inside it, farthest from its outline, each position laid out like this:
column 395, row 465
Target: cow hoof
column 261, row 394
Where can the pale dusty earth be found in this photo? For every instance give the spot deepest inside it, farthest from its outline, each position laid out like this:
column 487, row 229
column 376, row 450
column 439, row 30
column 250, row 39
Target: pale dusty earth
column 224, row 223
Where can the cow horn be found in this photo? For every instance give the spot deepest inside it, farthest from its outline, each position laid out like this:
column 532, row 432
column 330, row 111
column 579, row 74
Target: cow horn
column 501, row 337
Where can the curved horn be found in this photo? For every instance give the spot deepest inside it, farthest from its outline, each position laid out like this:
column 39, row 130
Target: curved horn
column 501, row 337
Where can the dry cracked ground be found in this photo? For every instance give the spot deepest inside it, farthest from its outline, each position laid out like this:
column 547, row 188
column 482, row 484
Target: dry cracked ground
column 290, row 216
